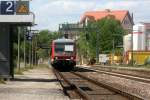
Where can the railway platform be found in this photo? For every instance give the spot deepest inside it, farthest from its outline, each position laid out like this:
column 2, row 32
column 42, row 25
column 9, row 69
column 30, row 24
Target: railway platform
column 35, row 84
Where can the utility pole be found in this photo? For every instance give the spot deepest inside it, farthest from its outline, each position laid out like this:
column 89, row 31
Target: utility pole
column 19, row 32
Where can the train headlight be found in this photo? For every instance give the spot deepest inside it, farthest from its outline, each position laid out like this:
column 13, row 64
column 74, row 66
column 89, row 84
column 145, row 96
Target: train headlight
column 52, row 60
column 56, row 58
column 71, row 58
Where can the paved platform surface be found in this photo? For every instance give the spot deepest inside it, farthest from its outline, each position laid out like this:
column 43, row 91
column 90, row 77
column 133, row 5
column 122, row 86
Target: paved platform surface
column 36, row 84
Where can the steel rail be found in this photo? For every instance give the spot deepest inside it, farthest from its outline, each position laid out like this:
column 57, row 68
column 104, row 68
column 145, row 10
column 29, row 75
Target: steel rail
column 73, row 86
column 111, row 70
column 123, row 93
column 122, row 75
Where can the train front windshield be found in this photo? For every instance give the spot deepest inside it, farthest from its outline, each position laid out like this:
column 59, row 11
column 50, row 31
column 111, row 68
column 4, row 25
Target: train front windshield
column 64, row 48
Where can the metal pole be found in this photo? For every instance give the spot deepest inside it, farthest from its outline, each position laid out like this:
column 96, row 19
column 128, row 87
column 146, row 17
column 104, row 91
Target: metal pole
column 11, row 37
column 32, row 50
column 36, row 52
column 113, row 51
column 19, row 32
column 97, row 49
column 30, row 54
column 132, row 42
column 24, row 47
column 36, row 49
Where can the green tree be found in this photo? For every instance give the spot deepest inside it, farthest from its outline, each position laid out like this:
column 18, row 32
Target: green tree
column 82, row 45
column 110, row 31
column 45, row 39
column 101, row 33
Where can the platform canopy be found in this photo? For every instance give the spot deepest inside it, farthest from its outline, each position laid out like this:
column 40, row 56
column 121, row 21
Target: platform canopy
column 16, row 12
column 17, row 19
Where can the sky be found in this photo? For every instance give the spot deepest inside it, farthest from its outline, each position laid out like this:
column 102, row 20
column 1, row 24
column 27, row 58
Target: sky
column 51, row 13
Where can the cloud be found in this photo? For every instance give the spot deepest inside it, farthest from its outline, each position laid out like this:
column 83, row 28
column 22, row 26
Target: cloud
column 50, row 13
column 139, row 8
column 65, row 7
column 60, row 11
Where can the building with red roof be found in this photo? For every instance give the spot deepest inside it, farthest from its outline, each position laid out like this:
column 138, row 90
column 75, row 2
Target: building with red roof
column 122, row 15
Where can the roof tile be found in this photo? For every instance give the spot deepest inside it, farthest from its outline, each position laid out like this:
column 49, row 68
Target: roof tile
column 119, row 14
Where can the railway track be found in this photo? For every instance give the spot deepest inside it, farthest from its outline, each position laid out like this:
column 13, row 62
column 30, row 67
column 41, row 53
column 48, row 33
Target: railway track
column 122, row 75
column 83, row 87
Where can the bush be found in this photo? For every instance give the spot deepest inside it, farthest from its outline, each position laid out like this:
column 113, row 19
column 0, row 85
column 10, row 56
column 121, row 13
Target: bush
column 132, row 61
column 147, row 61
column 92, row 61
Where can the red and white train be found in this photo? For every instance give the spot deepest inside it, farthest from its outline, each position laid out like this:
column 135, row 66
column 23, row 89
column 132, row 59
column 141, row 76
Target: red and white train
column 63, row 54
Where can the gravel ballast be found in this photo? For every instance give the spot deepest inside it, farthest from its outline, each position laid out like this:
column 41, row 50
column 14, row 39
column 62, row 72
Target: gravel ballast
column 131, row 86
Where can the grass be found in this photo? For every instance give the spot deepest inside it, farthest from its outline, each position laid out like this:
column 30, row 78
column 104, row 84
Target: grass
column 43, row 65
column 2, row 81
column 139, row 66
column 134, row 66
column 20, row 72
column 28, row 67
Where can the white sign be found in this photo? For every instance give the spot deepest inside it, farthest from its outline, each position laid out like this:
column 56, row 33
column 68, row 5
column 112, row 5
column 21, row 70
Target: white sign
column 68, row 47
column 103, row 58
column 17, row 18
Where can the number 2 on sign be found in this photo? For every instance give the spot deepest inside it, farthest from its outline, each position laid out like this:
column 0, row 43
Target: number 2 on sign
column 10, row 5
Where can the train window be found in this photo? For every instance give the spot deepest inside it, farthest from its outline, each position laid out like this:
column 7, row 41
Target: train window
column 64, row 47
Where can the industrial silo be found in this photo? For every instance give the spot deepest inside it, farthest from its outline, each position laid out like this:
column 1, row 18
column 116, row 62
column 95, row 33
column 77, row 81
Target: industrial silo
column 139, row 39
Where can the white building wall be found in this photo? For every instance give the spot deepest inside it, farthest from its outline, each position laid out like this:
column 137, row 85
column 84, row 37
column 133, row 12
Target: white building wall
column 139, row 38
column 127, row 42
column 148, row 39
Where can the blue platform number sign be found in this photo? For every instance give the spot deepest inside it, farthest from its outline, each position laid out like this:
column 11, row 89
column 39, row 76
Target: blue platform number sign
column 7, row 7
